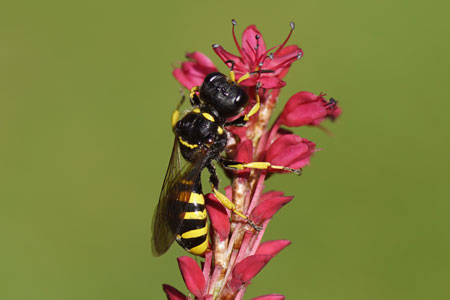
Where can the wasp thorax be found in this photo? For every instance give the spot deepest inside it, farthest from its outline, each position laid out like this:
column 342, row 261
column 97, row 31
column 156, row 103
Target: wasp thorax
column 226, row 97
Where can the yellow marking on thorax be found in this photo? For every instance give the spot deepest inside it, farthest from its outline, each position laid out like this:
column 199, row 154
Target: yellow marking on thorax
column 208, row 117
column 196, row 110
column 192, row 146
column 195, row 233
column 200, row 249
column 197, row 198
column 219, row 130
column 195, row 215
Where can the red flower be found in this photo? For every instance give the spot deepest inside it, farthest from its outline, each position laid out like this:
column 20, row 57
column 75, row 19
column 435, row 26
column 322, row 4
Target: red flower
column 270, row 203
column 305, row 108
column 235, row 254
column 272, row 247
column 172, row 293
column 291, row 151
column 193, row 72
column 218, row 215
column 248, row 268
column 192, row 276
column 254, row 57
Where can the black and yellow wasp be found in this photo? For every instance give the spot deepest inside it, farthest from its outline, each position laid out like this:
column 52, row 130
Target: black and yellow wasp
column 200, row 138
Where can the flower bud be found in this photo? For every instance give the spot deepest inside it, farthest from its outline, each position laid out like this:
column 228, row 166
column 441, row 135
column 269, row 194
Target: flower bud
column 291, row 151
column 305, row 108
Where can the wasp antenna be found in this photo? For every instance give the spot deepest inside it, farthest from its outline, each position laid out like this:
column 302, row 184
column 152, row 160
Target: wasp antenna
column 232, row 62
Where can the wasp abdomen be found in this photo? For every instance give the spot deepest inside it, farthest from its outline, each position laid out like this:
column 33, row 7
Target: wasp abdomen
column 193, row 232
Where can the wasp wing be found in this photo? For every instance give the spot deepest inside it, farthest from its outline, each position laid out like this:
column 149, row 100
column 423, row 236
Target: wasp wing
column 177, row 188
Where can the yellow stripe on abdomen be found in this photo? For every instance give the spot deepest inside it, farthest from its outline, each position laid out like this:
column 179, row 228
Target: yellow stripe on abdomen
column 195, row 233
column 195, row 215
column 197, row 198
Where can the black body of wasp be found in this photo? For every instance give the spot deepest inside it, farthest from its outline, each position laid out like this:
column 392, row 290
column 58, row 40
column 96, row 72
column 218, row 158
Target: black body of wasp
column 200, row 137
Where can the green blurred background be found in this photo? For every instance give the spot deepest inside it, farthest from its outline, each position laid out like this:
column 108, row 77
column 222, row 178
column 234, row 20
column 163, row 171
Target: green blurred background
column 86, row 95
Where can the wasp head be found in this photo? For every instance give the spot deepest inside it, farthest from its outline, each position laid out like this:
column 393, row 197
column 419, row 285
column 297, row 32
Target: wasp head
column 228, row 98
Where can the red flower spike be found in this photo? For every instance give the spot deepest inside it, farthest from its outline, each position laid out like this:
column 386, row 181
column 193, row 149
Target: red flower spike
column 291, row 151
column 305, row 108
column 254, row 57
column 270, row 297
column 218, row 215
column 268, row 207
column 237, row 254
column 193, row 72
column 172, row 293
column 192, row 276
column 272, row 247
column 248, row 268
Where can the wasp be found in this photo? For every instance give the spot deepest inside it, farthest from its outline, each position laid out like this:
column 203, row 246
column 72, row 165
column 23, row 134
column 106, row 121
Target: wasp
column 200, row 137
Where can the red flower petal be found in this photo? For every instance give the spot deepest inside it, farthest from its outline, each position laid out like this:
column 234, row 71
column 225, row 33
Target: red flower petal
column 272, row 247
column 228, row 193
column 244, row 154
column 192, row 275
column 268, row 207
column 248, row 268
column 270, row 297
column 202, row 60
column 225, row 56
column 172, row 293
column 267, row 81
column 283, row 59
column 305, row 108
column 290, row 150
column 250, row 43
column 218, row 215
column 193, row 72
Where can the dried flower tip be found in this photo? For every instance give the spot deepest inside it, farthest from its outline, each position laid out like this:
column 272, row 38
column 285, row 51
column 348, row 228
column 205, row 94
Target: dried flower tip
column 299, row 55
column 215, row 46
column 292, row 24
column 233, row 21
column 254, row 226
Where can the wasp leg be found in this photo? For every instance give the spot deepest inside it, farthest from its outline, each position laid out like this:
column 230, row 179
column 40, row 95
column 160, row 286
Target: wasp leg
column 239, row 122
column 214, row 180
column 195, row 100
column 261, row 165
column 176, row 112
